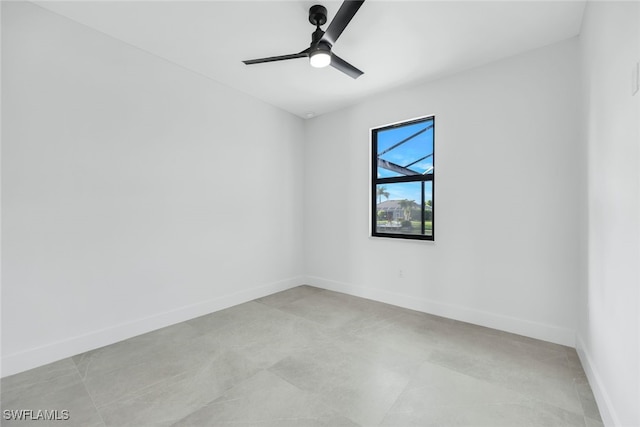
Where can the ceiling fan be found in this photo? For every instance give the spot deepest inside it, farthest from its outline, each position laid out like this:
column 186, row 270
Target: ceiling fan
column 319, row 52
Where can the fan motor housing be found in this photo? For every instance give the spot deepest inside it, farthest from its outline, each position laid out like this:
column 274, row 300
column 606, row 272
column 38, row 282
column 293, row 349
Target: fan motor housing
column 319, row 51
column 318, row 15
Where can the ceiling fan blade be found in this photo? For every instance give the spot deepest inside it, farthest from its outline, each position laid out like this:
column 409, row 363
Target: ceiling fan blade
column 302, row 54
column 346, row 12
column 342, row 65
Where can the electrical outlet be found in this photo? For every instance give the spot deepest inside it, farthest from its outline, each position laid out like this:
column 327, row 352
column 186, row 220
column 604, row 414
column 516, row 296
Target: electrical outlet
column 635, row 79
column 400, row 273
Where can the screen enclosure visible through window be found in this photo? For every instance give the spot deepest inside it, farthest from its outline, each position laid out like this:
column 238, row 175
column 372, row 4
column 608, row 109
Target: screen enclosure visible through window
column 403, row 179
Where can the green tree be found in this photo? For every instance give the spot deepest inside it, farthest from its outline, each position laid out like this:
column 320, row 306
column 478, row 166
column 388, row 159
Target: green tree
column 428, row 210
column 382, row 191
column 406, row 206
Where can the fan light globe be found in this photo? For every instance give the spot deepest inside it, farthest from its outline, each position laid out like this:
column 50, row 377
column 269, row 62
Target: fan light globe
column 320, row 59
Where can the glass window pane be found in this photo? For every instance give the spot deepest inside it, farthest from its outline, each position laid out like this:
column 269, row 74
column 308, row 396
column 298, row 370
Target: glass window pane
column 398, row 208
column 428, row 208
column 402, row 178
column 405, row 150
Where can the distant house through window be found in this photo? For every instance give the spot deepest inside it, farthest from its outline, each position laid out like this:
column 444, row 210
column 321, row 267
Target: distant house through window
column 403, row 178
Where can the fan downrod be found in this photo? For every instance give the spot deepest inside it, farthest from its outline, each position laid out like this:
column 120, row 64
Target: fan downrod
column 318, row 15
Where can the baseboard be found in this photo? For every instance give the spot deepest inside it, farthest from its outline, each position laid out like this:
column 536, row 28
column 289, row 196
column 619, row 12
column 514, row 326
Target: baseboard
column 607, row 413
column 513, row 325
column 32, row 358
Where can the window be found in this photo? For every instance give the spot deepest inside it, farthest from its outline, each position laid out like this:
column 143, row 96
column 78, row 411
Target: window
column 402, row 180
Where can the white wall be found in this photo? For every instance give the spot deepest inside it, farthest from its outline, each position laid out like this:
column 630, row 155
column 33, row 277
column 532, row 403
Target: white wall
column 609, row 327
column 132, row 191
column 507, row 198
column 135, row 193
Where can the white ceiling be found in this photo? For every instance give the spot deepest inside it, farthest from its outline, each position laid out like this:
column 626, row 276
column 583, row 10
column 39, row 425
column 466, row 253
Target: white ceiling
column 395, row 43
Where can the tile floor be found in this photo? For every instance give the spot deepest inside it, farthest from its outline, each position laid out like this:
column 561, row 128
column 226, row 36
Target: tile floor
column 310, row 357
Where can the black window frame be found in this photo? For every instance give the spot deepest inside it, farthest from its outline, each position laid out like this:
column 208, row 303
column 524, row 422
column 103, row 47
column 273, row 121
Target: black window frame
column 375, row 181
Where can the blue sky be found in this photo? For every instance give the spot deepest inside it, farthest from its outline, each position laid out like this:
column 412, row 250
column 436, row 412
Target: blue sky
column 407, row 190
column 412, row 150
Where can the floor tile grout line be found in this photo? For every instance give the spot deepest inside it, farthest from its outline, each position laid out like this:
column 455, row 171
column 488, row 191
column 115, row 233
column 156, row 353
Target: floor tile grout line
column 564, row 362
column 513, row 390
column 133, row 394
column 86, row 389
column 404, row 390
column 221, row 395
column 281, row 309
column 162, row 383
column 310, row 393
